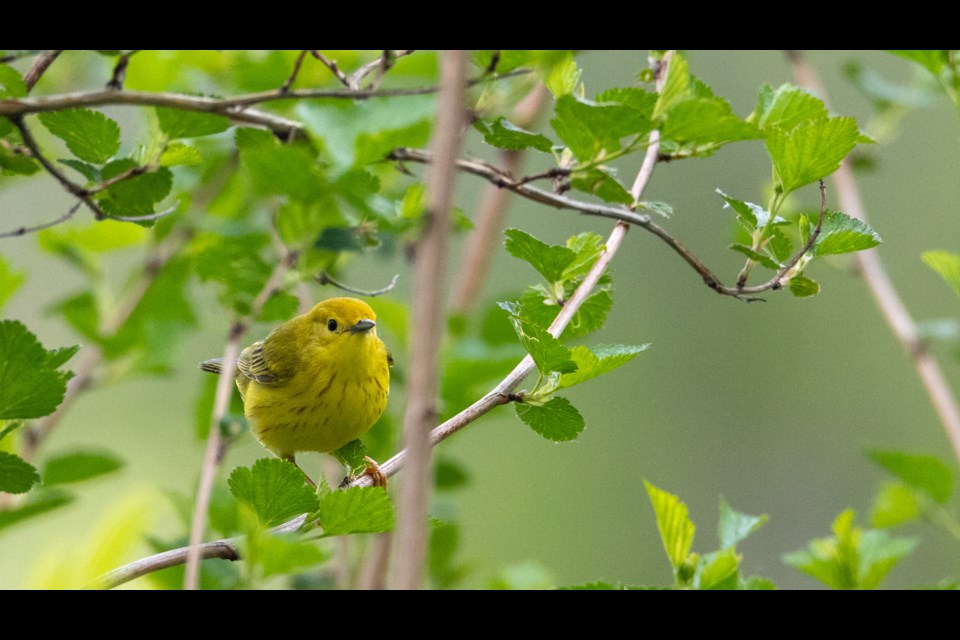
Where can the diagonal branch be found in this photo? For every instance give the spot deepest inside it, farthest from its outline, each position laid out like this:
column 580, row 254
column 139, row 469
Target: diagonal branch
column 39, row 67
column 885, row 295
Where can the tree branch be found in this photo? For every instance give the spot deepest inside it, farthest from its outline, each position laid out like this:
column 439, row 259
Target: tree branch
column 885, row 295
column 46, row 225
column 40, row 66
column 325, row 278
column 427, row 314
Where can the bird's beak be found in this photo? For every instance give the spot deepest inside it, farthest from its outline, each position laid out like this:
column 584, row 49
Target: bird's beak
column 363, row 326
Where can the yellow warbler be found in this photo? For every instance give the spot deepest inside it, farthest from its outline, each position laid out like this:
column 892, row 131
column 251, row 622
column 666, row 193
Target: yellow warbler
column 317, row 381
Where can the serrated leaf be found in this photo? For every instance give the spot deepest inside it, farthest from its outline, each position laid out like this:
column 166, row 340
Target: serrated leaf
column 842, row 234
column 926, row 473
column 601, row 183
column 673, row 522
column 633, row 97
column 803, row 287
column 589, row 128
column 356, row 510
column 595, row 361
column 780, row 246
column 676, row 86
column 547, row 352
column 178, row 153
column 810, row 151
column 352, row 455
column 136, row 195
column 555, row 420
column 549, row 260
column 87, row 170
column 589, row 317
column 786, row 107
column 37, row 503
column 947, row 265
column 16, row 474
column 274, row 489
column 505, row 135
column 588, row 247
column 894, row 504
column 180, row 123
column 756, row 256
column 29, row 386
column 734, row 526
column 90, row 135
column 705, row 121
column 79, row 465
column 11, row 84
column 562, row 76
column 750, row 216
column 719, row 571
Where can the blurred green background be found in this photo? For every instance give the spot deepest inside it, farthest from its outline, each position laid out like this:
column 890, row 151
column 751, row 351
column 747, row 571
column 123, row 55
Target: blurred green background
column 771, row 405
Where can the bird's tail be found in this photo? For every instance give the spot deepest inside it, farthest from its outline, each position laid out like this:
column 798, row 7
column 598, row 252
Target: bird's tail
column 212, row 366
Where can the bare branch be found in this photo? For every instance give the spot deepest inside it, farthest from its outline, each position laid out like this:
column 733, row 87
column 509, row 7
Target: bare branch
column 332, row 65
column 296, row 70
column 46, row 225
column 120, row 71
column 40, row 66
column 325, row 278
column 885, row 295
column 427, row 322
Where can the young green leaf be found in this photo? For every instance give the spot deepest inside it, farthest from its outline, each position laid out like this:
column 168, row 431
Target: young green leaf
column 87, row 170
column 11, row 84
column 587, row 246
column 505, row 135
column 352, row 455
column 16, row 474
column 79, row 465
column 600, row 182
column 180, row 123
column 706, row 121
column 561, row 76
column 810, row 151
column 926, row 473
column 676, row 86
column 895, row 504
column 547, row 352
column 591, row 315
column 589, row 128
column 286, row 170
column 780, row 246
column 14, row 163
column 356, row 510
column 549, row 260
column 719, row 571
column 37, row 503
column 555, row 420
column 274, row 489
column 733, row 526
column 594, row 361
column 673, row 521
column 786, row 107
column 90, row 135
column 750, row 216
column 842, row 234
column 136, row 195
column 30, row 384
column 879, row 553
column 756, row 256
column 633, row 97
column 803, row 287
column 947, row 265
column 178, row 153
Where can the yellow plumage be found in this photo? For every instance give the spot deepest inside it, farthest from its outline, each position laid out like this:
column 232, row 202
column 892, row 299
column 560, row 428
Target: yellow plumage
column 317, row 381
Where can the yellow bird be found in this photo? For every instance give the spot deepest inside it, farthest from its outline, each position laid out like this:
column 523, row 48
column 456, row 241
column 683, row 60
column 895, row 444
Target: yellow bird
column 316, row 382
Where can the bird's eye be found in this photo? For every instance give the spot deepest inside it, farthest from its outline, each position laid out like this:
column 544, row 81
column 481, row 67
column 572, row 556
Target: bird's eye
column 332, row 325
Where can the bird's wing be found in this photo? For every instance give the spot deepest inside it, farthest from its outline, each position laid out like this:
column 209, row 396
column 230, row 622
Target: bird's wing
column 257, row 364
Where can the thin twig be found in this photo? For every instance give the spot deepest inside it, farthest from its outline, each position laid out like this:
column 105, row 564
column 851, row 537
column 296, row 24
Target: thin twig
column 293, row 74
column 120, row 71
column 16, row 55
column 325, row 278
column 885, row 295
column 46, row 225
column 216, row 449
column 332, row 65
column 427, row 322
column 39, row 67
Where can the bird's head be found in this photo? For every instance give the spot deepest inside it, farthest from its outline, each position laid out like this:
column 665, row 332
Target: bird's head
column 338, row 319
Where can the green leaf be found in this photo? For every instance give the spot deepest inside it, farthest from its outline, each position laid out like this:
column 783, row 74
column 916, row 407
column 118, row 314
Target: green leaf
column 601, row 182
column 547, row 352
column 356, row 510
column 505, row 135
column 733, row 526
column 299, row 223
column 79, row 465
column 16, row 474
column 274, row 489
column 676, row 86
column 673, row 521
column 765, row 260
column 706, row 121
column 10, row 281
column 633, row 97
column 600, row 586
column 756, row 583
column 555, row 420
column 286, row 170
column 594, row 361
column 178, row 153
column 352, row 455
column 37, row 503
column 786, row 107
column 587, row 246
column 810, row 151
column 780, row 246
column 879, row 553
column 97, row 237
column 549, row 260
column 180, row 123
column 803, row 287
column 895, row 504
column 281, row 554
column 11, row 84
column 719, row 571
column 14, row 163
column 932, row 60
column 30, row 385
column 842, row 234
column 589, row 128
column 947, row 265
column 750, row 216
column 90, row 135
column 926, row 473
column 444, row 542
column 87, row 170
column 562, row 76
column 136, row 195
column 589, row 317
